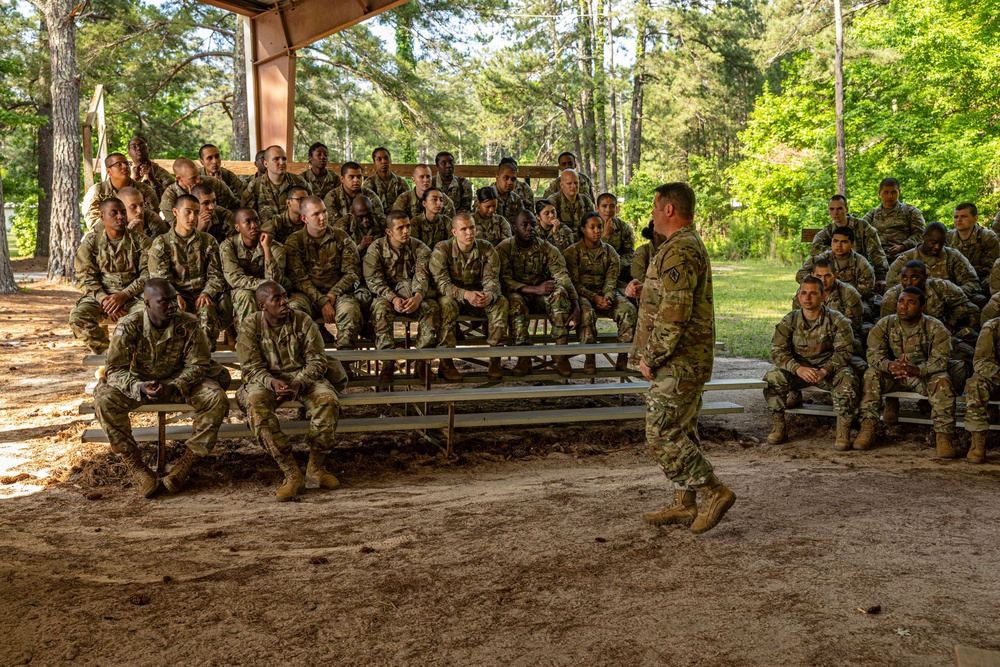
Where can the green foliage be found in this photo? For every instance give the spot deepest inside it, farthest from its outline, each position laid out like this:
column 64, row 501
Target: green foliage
column 25, row 225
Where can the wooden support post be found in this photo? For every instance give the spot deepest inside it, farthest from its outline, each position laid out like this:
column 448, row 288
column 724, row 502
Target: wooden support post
column 161, row 442
column 451, row 431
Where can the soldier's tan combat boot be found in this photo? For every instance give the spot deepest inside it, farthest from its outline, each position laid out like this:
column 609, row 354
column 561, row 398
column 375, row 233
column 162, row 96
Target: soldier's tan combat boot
column 523, row 366
column 422, row 369
column 778, row 433
column 317, row 476
column 387, row 374
column 683, row 511
column 562, row 366
column 589, row 364
column 977, row 452
column 843, row 442
column 447, row 370
column 717, row 500
column 794, row 399
column 890, row 411
column 621, row 362
column 178, row 476
column 143, row 478
column 945, row 450
column 866, row 435
column 495, row 371
column 293, row 478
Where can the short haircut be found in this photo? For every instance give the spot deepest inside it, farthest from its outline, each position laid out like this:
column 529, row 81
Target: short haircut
column 266, row 288
column 259, row 156
column 186, row 197
column 437, row 158
column 130, row 192
column 508, row 160
column 421, row 166
column 487, row 193
column 315, row 146
column 183, row 162
column 681, row 196
column 201, row 151
column 157, row 286
column 524, row 211
column 391, row 218
column 242, row 212
column 606, row 195
column 845, row 231
column 306, row 202
column 110, row 158
column 349, row 165
column 202, row 189
column 295, row 188
column 268, row 151
column 566, row 154
column 542, row 203
column 888, row 183
column 824, row 263
column 461, row 215
column 935, row 227
column 970, row 207
column 839, row 198
column 915, row 264
column 381, row 148
column 109, row 201
column 587, row 216
column 429, row 190
column 915, row 290
column 813, row 280
column 506, row 165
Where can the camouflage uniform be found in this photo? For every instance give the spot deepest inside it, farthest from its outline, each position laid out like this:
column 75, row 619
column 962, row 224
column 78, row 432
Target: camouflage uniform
column 431, row 233
column 153, row 225
column 594, row 272
column 982, row 249
column 281, row 226
column 622, row 239
column 353, row 228
column 459, row 191
column 293, row 351
column 98, row 192
column 945, row 302
column 232, row 181
column 640, row 260
column 866, row 244
column 389, row 190
column 853, row 270
column 494, row 230
column 269, row 199
column 984, row 385
column 527, row 194
column 327, row 265
column 824, row 344
column 179, row 355
column 949, row 265
column 408, row 203
column 321, row 185
column 900, row 225
column 392, row 272
column 990, row 310
column 928, row 345
column 224, row 197
column 245, row 270
column 675, row 338
column 846, row 300
column 995, row 227
column 338, row 203
column 586, row 187
column 509, row 206
column 455, row 272
column 105, row 267
column 539, row 262
column 223, row 225
column 164, row 179
column 192, row 265
column 562, row 238
column 570, row 213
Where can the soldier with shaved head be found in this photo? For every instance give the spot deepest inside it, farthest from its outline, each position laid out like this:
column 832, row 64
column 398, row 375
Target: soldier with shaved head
column 269, row 191
column 187, row 178
column 140, row 218
column 412, row 202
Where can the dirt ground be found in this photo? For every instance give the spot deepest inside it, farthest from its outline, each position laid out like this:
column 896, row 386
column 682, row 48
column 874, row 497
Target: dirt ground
column 527, row 551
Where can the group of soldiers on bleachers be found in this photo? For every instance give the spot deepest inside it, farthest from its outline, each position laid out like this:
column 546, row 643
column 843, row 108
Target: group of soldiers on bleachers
column 175, row 259
column 887, row 303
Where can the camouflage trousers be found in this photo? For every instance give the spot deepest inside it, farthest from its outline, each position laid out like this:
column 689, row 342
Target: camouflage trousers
column 979, row 390
column 207, row 317
column 621, row 311
column 86, row 317
column 496, row 315
column 556, row 306
column 672, row 429
column 259, row 405
column 937, row 388
column 208, row 399
column 428, row 317
column 348, row 316
column 843, row 387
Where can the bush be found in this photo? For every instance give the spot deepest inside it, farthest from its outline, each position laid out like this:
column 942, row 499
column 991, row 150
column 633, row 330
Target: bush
column 25, row 225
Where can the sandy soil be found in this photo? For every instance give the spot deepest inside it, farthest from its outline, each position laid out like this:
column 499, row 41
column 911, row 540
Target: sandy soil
column 528, row 551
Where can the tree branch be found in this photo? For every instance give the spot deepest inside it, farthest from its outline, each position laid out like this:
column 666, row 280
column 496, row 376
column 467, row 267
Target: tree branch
column 222, row 100
column 181, row 65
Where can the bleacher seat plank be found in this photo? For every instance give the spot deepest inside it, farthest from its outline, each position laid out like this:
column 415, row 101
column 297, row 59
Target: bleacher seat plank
column 968, row 656
column 905, row 417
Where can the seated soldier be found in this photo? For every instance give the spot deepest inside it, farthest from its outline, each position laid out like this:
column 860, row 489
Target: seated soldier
column 490, row 227
column 534, row 277
column 851, row 267
column 838, row 296
column 140, row 218
column 430, row 226
column 551, row 229
column 899, row 225
column 269, row 191
column 617, row 233
column 467, row 273
column 211, row 165
column 521, row 187
column 568, row 161
column 387, row 185
column 412, row 201
column 321, row 180
column 338, row 201
column 187, row 178
column 146, row 171
column 250, row 259
column 259, row 161
column 866, row 240
column 118, row 178
column 217, row 221
column 990, row 310
column 982, row 387
column 570, row 205
column 812, row 347
column 159, row 355
column 640, row 261
column 397, row 275
column 944, row 301
column 978, row 245
column 458, row 189
column 290, row 220
column 361, row 224
column 940, row 262
column 282, row 358
column 909, row 351
column 189, row 260
column 509, row 201
column 322, row 263
column 111, row 270
column 593, row 267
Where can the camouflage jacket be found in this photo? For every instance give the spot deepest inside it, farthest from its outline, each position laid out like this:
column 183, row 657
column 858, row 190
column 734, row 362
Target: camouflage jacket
column 459, row 191
column 245, row 268
column 527, row 194
column 224, row 197
column 586, row 187
column 269, row 199
column 413, row 207
column 853, row 270
column 945, row 302
column 321, row 185
column 289, row 352
column 338, row 203
column 98, row 192
column 235, row 184
column 153, row 225
column 826, row 343
column 509, row 206
column 494, row 230
column 325, row 265
column 594, row 271
column 223, row 225
column 676, row 327
column 389, row 190
column 191, row 264
column 926, row 344
column 982, row 249
column 353, row 228
column 844, row 299
column 140, row 353
column 622, row 239
column 164, row 178
column 561, row 238
column 455, row 272
column 392, row 272
column 533, row 265
column 431, row 233
column 949, row 265
column 571, row 213
column 902, row 224
column 105, row 267
column 866, row 244
column 986, row 361
column 640, row 260
column 990, row 310
column 281, row 226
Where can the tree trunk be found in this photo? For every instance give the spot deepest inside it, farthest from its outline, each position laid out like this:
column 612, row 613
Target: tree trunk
column 600, row 99
column 241, row 115
column 7, row 284
column 585, row 58
column 839, row 91
column 44, row 152
column 405, row 52
column 638, row 84
column 614, row 104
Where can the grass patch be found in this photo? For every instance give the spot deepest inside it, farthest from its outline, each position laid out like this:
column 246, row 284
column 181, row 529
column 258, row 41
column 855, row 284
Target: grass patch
column 751, row 297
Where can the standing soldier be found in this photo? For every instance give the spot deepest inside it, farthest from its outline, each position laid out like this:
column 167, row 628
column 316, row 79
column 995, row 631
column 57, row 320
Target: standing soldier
column 866, row 240
column 387, row 185
column 674, row 350
column 811, row 348
column 940, row 262
column 457, row 188
column 982, row 387
column 568, row 161
column 282, row 358
column 321, row 180
column 250, row 259
column 361, row 224
column 118, row 178
column 431, row 227
column 980, row 246
column 146, row 171
column 269, row 191
column 187, row 178
column 898, row 225
column 570, row 205
column 159, row 355
column 290, row 220
column 490, row 227
column 550, row 229
column 338, row 201
column 211, row 165
column 617, row 233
